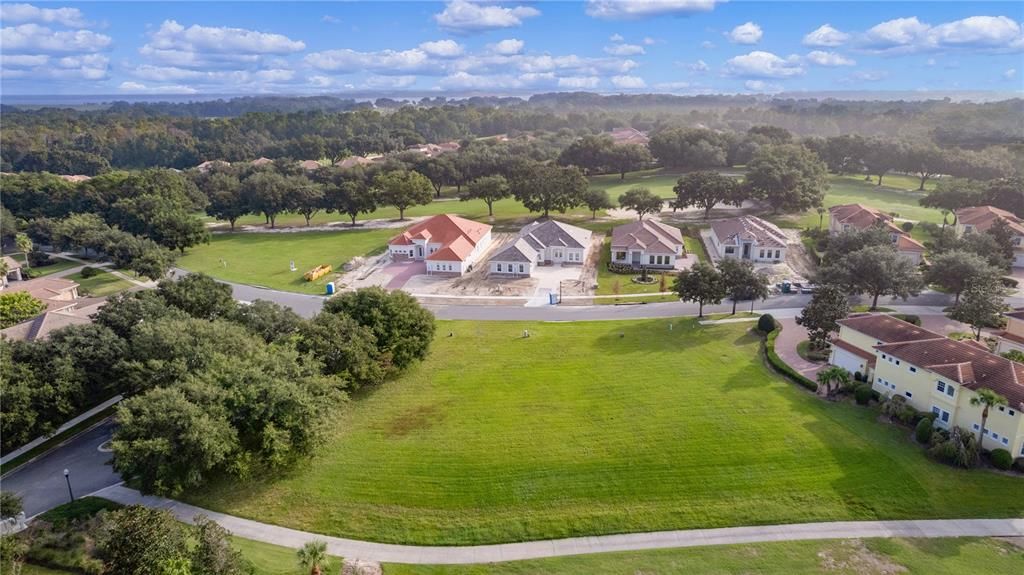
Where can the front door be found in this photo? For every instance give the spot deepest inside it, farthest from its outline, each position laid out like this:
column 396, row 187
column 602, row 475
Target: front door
column 746, row 251
column 636, row 258
column 419, row 252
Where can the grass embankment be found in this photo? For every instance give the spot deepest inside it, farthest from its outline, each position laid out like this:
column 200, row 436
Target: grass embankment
column 602, row 427
column 262, row 259
column 102, row 284
column 965, row 556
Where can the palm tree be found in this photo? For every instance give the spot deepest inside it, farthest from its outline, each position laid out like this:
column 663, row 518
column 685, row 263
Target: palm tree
column 313, row 556
column 821, row 216
column 986, row 398
column 24, row 244
column 831, row 374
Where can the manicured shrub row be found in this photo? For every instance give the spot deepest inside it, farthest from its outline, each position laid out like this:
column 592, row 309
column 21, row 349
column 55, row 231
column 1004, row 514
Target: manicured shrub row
column 781, row 366
column 620, row 268
column 1001, row 459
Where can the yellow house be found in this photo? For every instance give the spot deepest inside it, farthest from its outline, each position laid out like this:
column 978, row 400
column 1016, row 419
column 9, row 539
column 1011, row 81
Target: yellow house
column 1012, row 338
column 936, row 374
column 854, row 349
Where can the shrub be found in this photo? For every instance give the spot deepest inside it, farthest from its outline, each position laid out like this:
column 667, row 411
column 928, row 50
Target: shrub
column 923, row 431
column 961, row 449
column 1001, row 459
column 907, row 415
column 907, row 226
column 892, row 406
column 89, row 271
column 929, row 227
column 862, row 394
column 10, row 504
column 909, row 318
column 766, row 323
column 1018, row 464
column 781, row 366
column 38, row 259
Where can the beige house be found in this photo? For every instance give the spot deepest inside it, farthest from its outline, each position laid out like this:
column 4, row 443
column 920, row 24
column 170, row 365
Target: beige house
column 1012, row 338
column 647, row 243
column 980, row 218
column 748, row 238
column 937, row 374
column 56, row 293
column 848, row 217
column 41, row 326
column 542, row 243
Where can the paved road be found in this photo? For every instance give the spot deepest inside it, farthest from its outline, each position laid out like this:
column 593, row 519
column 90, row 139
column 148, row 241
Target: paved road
column 363, row 550
column 41, row 483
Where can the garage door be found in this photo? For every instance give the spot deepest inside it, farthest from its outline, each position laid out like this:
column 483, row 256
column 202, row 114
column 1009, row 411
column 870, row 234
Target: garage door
column 1018, row 262
column 847, row 360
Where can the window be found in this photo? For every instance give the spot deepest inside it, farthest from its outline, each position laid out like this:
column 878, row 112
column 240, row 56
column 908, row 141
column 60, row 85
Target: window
column 950, row 390
column 883, row 356
column 1012, row 413
column 521, row 268
column 975, row 427
column 940, row 386
column 1022, row 449
column 730, row 250
column 652, row 259
column 1005, row 441
column 908, row 394
column 897, row 362
column 620, row 255
column 762, row 254
column 777, row 252
column 499, row 267
column 942, row 413
column 913, row 369
column 995, row 436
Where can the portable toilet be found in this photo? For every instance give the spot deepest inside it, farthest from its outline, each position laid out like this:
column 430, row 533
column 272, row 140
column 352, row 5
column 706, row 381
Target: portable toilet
column 330, row 288
column 553, row 298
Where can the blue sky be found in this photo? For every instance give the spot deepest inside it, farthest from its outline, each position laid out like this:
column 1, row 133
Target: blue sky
column 459, row 46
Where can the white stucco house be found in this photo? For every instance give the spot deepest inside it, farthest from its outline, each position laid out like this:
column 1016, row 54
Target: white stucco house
column 748, row 238
column 849, row 217
column 448, row 244
column 542, row 243
column 647, row 243
column 979, row 219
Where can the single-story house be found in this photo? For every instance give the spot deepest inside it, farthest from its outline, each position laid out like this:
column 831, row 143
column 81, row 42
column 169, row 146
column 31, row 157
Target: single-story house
column 41, row 326
column 449, row 244
column 647, row 243
column 540, row 243
column 854, row 349
column 56, row 293
column 980, row 219
column 1012, row 338
column 748, row 238
column 310, row 165
column 849, row 217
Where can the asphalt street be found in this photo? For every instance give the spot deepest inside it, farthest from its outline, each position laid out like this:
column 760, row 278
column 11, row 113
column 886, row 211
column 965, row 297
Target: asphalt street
column 41, row 483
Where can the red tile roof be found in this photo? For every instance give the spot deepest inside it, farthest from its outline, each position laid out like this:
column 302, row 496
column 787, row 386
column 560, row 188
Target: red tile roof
column 970, row 365
column 982, row 218
column 445, row 229
column 855, row 351
column 887, row 329
column 905, row 243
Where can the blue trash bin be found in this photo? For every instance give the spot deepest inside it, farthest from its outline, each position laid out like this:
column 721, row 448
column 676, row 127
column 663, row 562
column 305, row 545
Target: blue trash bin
column 330, row 288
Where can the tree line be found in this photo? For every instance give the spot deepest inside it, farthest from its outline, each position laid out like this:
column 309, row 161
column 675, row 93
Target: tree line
column 215, row 388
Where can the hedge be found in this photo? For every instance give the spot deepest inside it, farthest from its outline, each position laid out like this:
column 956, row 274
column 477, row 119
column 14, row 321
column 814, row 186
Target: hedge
column 781, row 366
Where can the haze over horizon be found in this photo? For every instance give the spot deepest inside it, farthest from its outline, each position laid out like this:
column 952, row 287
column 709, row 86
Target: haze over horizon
column 130, row 50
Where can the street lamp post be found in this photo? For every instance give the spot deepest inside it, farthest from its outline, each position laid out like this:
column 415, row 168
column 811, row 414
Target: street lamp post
column 67, row 477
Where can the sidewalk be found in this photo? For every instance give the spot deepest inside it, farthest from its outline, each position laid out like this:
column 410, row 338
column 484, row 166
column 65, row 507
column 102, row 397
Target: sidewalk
column 389, row 553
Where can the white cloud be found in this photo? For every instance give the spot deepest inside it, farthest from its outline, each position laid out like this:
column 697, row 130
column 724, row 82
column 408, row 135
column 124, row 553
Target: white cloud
column 759, row 64
column 628, row 82
column 1010, row 74
column 579, row 82
column 330, row 19
column 673, row 86
column 69, row 17
column 507, row 47
column 33, row 38
column 707, row 45
column 624, row 49
column 909, row 35
column 826, row 37
column 137, row 88
column 823, row 58
column 385, row 62
column 747, row 33
column 616, row 38
column 219, row 40
column 635, row 9
column 318, row 81
column 442, row 48
column 762, row 86
column 648, row 41
column 466, row 81
column 23, row 60
column 870, row 75
column 464, row 17
column 698, row 67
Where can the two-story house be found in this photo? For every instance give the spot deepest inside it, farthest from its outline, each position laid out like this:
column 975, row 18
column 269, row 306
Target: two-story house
column 849, row 217
column 854, row 349
column 980, row 218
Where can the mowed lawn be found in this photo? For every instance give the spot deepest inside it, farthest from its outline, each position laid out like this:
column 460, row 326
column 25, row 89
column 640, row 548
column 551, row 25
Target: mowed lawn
column 964, row 556
column 590, row 428
column 263, row 258
column 853, row 189
column 102, row 284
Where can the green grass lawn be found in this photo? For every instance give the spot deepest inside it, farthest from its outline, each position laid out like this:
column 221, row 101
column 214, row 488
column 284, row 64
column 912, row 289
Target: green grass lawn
column 606, row 279
column 602, row 427
column 102, row 284
column 853, row 189
column 963, row 556
column 268, row 559
column 262, row 259
column 58, row 265
column 660, row 181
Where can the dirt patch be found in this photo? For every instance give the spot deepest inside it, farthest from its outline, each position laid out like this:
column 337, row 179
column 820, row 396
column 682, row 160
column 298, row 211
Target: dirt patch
column 851, row 556
column 415, row 419
column 797, row 257
column 361, row 567
column 1018, row 541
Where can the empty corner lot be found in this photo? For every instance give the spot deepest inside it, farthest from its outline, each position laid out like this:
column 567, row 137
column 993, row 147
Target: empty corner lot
column 591, row 428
